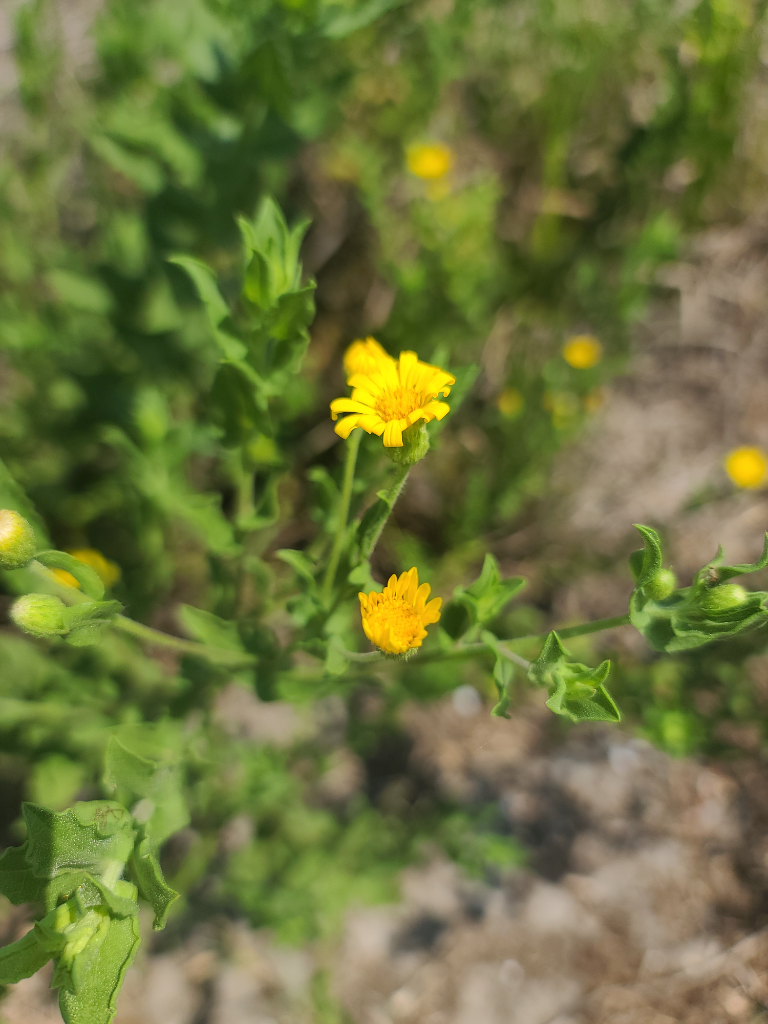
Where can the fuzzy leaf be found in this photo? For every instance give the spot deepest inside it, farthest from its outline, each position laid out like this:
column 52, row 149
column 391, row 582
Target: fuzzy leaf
column 156, row 785
column 489, row 594
column 99, row 985
column 147, row 874
column 83, row 837
column 18, row 882
column 206, row 286
column 503, row 674
column 576, row 691
column 22, row 959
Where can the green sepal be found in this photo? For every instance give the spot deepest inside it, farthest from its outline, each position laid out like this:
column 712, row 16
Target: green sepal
column 576, row 691
column 157, row 785
column 645, row 563
column 84, row 837
column 95, row 1002
column 22, row 959
column 18, row 882
column 148, row 876
column 489, row 594
column 503, row 674
column 90, row 582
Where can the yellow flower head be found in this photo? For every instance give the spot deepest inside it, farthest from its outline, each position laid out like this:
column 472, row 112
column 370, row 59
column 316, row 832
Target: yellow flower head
column 510, row 403
column 429, row 161
column 396, row 620
column 393, row 397
column 747, row 467
column 108, row 571
column 364, row 357
column 582, row 352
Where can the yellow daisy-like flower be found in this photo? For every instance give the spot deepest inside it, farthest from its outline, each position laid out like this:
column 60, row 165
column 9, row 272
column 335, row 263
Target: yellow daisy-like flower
column 396, row 620
column 103, row 567
column 365, row 357
column 747, row 467
column 393, row 397
column 582, row 352
column 510, row 403
column 429, row 161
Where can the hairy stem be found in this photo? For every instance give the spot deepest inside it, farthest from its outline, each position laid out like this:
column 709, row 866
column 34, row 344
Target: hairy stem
column 353, row 445
column 157, row 638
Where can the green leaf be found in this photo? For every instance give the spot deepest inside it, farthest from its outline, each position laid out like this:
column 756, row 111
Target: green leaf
column 79, row 292
column 489, row 594
column 86, row 622
column 645, row 563
column 336, row 661
column 163, row 809
column 371, row 524
column 300, row 564
column 120, row 901
column 86, row 836
column 206, row 286
column 18, row 882
column 728, row 572
column 209, row 628
column 90, row 582
column 503, row 674
column 577, row 691
column 96, row 998
column 22, row 959
column 342, row 22
column 234, row 406
column 148, row 876
column 295, row 312
column 362, row 578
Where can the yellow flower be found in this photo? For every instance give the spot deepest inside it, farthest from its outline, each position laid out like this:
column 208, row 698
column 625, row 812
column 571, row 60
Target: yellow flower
column 396, row 620
column 393, row 397
column 582, row 352
column 365, row 357
column 108, row 571
column 747, row 467
column 430, row 161
column 510, row 403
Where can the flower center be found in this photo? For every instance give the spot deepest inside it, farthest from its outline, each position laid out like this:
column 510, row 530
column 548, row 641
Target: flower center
column 398, row 403
column 403, row 622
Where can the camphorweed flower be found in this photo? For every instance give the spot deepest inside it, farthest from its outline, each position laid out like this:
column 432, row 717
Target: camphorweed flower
column 429, row 161
column 582, row 352
column 747, row 467
column 392, row 398
column 364, row 357
column 396, row 620
column 103, row 567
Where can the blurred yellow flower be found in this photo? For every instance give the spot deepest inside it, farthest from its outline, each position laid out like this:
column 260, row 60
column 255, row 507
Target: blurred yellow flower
column 510, row 403
column 747, row 467
column 430, row 161
column 582, row 352
column 364, row 357
column 393, row 397
column 103, row 567
column 396, row 620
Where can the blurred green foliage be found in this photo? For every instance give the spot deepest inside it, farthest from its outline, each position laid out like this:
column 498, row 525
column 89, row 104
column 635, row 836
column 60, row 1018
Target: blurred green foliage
column 588, row 139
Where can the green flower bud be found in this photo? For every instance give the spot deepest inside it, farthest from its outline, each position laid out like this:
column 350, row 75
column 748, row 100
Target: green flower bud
column 415, row 445
column 17, row 540
column 723, row 597
column 661, row 585
column 40, row 615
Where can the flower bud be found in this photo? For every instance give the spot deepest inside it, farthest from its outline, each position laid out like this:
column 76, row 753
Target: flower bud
column 415, row 445
column 17, row 540
column 40, row 615
column 723, row 598
column 661, row 585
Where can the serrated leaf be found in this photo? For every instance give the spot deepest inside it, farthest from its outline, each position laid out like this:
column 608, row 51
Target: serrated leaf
column 157, row 785
column 84, row 837
column 96, row 1000
column 646, row 562
column 206, row 286
column 22, row 959
column 576, row 691
column 18, row 882
column 90, row 582
column 147, row 874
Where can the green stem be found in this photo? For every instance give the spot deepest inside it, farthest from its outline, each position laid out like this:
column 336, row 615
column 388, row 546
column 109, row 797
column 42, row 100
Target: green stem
column 392, row 495
column 156, row 638
column 353, row 445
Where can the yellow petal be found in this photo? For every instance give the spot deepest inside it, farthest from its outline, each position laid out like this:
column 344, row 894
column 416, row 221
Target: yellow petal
column 432, row 612
column 345, row 427
column 421, row 597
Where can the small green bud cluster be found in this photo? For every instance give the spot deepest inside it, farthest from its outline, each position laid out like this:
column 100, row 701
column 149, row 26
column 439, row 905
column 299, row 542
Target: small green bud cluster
column 17, row 540
column 40, row 615
column 415, row 445
column 661, row 585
